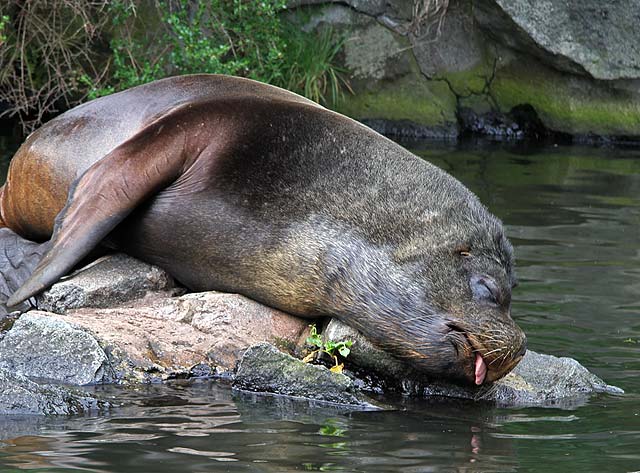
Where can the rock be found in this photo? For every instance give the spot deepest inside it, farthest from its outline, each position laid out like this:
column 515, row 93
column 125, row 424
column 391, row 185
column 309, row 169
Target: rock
column 108, row 282
column 41, row 346
column 387, row 83
column 600, row 39
column 370, row 7
column 161, row 337
column 538, row 380
column 19, row 395
column 265, row 369
column 543, row 379
column 492, row 124
column 575, row 64
column 458, row 47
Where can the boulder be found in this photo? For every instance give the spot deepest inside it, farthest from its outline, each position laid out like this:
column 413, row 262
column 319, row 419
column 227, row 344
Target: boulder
column 575, row 64
column 19, row 395
column 43, row 346
column 389, row 90
column 147, row 339
column 159, row 337
column 107, row 282
column 590, row 37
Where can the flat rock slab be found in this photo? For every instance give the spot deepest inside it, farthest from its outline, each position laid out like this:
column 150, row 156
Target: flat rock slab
column 267, row 370
column 19, row 395
column 108, row 282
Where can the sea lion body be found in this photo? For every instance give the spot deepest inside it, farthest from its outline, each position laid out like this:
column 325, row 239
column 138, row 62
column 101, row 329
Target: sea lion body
column 238, row 186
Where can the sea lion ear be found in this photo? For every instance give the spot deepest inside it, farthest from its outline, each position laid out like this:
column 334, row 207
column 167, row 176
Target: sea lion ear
column 103, row 196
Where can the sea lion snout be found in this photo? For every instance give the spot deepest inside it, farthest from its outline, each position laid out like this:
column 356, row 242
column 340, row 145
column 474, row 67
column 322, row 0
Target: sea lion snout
column 489, row 344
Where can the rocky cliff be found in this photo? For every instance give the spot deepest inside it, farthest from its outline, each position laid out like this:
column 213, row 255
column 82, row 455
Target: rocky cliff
column 560, row 69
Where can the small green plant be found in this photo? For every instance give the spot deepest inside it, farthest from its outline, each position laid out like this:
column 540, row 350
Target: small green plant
column 329, row 347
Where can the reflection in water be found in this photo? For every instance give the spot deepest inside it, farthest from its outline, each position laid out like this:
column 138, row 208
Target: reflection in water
column 574, row 218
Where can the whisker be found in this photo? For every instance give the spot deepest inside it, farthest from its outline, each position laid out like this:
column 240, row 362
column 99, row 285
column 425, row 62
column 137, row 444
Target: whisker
column 493, row 351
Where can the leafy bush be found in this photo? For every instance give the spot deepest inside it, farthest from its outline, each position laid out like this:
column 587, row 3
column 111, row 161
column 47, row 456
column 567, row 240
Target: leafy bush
column 234, row 37
column 90, row 48
column 45, row 47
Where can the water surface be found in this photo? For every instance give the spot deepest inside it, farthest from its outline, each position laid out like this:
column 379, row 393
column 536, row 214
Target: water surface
column 573, row 215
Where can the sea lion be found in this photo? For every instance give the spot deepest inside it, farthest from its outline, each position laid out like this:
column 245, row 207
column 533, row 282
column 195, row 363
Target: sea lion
column 238, row 186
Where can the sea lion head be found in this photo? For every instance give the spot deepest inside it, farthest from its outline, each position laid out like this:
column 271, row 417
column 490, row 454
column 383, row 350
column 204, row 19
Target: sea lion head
column 462, row 275
column 435, row 290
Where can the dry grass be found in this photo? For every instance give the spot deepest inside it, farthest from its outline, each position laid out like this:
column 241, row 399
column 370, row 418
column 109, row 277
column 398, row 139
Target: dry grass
column 47, row 54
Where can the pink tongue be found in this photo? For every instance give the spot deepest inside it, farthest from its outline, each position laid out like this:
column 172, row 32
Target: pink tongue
column 481, row 369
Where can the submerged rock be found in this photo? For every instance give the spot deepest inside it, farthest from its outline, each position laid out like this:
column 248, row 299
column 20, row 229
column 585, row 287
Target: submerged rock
column 19, row 395
column 265, row 369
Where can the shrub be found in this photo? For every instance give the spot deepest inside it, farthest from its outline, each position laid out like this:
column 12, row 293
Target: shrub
column 56, row 53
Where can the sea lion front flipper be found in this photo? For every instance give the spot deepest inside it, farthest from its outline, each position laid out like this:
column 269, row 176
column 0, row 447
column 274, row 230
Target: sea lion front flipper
column 104, row 195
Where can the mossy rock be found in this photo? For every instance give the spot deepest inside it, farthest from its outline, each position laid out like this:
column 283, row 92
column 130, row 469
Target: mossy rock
column 569, row 103
column 408, row 98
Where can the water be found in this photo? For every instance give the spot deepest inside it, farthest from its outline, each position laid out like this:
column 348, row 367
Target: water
column 573, row 215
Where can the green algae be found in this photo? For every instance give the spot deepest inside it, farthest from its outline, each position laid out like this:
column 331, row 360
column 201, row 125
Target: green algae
column 568, row 103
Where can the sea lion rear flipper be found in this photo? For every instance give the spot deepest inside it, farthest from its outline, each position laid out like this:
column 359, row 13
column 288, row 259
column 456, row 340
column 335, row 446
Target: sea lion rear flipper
column 18, row 258
column 103, row 196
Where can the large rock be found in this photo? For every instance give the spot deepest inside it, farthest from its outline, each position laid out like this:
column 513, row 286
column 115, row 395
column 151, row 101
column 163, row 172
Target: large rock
column 390, row 92
column 138, row 339
column 575, row 64
column 109, row 281
column 601, row 39
column 267, row 370
column 19, row 395
column 164, row 336
column 538, row 379
column 150, row 339
column 160, row 337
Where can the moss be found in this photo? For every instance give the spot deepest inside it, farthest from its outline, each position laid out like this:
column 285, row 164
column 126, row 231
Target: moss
column 410, row 98
column 568, row 103
column 469, row 82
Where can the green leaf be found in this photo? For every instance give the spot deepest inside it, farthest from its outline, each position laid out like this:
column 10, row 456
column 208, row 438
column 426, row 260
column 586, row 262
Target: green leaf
column 344, row 351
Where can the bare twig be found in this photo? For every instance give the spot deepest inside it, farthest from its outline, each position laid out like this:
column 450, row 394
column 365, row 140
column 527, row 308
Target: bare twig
column 428, row 18
column 50, row 62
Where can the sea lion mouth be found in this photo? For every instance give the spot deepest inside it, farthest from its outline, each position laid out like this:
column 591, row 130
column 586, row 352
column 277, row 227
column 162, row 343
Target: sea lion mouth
column 479, row 369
